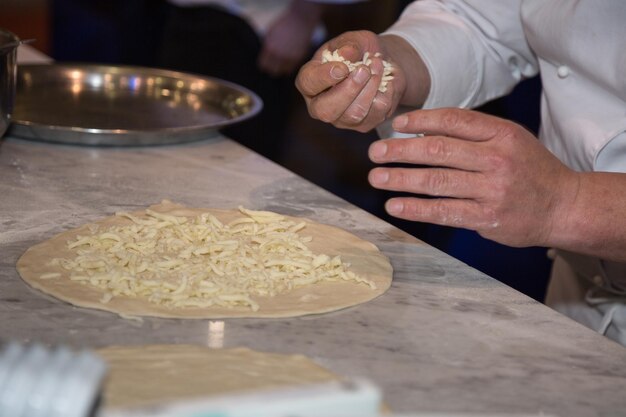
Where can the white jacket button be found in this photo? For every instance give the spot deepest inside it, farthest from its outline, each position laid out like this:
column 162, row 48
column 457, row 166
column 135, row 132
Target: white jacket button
column 598, row 280
column 562, row 71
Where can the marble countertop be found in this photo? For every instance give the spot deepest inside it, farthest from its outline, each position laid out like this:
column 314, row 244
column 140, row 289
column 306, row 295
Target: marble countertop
column 444, row 338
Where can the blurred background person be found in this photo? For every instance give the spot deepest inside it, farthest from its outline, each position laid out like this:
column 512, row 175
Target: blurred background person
column 258, row 44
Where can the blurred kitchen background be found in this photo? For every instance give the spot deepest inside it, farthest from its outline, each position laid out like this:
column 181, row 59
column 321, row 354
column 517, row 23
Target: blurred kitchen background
column 129, row 32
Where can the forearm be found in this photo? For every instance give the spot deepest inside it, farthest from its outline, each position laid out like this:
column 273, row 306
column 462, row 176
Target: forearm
column 416, row 76
column 307, row 10
column 593, row 219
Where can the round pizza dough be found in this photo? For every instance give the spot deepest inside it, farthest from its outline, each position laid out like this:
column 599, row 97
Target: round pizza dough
column 152, row 374
column 364, row 258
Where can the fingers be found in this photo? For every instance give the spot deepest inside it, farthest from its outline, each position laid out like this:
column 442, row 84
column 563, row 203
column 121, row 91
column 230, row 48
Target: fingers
column 366, row 101
column 428, row 181
column 461, row 213
column 330, row 106
column 266, row 61
column 459, row 123
column 355, row 102
column 347, row 46
column 431, row 150
column 347, row 99
column 276, row 67
column 315, row 77
column 275, row 63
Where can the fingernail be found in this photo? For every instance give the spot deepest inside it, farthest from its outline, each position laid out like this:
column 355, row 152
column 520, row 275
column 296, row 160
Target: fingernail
column 400, row 121
column 379, row 177
column 338, row 72
column 394, row 206
column 361, row 75
column 378, row 150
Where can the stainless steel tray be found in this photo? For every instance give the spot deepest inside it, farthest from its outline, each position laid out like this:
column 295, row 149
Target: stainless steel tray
column 106, row 105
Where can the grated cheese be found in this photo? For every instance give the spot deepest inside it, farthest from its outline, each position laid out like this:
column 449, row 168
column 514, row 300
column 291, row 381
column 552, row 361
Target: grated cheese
column 328, row 56
column 179, row 261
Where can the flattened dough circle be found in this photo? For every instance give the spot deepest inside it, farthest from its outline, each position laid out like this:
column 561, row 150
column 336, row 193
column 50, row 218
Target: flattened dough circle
column 364, row 257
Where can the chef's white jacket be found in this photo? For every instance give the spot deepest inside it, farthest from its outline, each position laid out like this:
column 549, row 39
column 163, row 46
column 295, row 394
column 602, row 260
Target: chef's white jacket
column 477, row 50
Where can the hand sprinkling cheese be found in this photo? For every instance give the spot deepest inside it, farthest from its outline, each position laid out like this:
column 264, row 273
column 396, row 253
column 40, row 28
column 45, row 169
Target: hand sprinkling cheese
column 328, row 56
column 179, row 261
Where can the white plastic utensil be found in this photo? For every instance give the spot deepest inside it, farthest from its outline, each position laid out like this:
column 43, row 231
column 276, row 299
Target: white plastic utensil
column 37, row 382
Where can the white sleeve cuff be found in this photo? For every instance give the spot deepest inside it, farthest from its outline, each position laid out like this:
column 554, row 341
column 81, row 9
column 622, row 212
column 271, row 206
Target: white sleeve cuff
column 431, row 36
column 612, row 157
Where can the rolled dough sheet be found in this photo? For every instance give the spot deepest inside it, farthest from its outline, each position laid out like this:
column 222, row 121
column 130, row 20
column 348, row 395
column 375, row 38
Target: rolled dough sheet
column 152, row 374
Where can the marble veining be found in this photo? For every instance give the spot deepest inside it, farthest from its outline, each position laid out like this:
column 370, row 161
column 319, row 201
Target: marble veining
column 444, row 338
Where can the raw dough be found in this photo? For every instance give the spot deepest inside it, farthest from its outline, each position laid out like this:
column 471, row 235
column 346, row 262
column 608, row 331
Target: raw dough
column 143, row 375
column 365, row 260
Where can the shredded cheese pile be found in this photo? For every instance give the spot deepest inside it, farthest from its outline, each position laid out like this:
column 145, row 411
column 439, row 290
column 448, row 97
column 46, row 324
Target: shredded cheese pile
column 179, row 261
column 328, row 56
